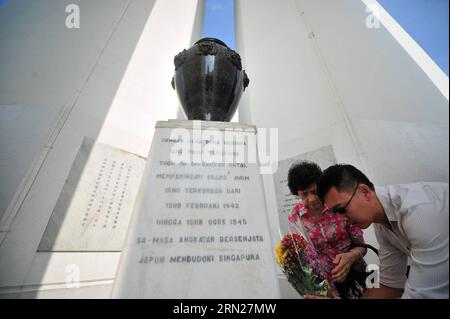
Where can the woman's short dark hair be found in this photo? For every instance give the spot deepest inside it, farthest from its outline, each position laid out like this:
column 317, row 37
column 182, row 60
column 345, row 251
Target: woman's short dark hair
column 302, row 175
column 343, row 177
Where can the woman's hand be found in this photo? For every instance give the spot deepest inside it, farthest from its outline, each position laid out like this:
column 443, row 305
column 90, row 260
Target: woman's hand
column 343, row 264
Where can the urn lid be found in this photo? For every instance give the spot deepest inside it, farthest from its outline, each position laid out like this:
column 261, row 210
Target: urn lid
column 212, row 40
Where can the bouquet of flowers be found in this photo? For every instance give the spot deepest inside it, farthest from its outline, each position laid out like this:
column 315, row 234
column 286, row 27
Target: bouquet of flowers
column 299, row 262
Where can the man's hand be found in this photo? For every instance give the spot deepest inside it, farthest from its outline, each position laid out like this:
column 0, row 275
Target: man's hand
column 343, row 264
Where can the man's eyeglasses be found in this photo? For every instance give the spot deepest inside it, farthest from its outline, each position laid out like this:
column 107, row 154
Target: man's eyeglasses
column 343, row 209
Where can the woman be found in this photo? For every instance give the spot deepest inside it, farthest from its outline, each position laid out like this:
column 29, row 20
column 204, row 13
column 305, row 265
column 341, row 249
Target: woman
column 331, row 234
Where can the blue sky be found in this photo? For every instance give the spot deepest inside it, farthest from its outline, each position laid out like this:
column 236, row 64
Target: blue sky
column 425, row 20
column 219, row 21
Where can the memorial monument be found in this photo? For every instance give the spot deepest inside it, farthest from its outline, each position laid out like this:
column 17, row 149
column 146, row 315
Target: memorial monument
column 199, row 228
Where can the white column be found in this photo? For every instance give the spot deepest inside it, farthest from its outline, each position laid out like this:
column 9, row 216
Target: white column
column 323, row 77
column 108, row 80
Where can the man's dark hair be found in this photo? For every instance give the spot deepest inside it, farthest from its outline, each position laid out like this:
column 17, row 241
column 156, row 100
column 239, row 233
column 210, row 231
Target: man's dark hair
column 302, row 175
column 342, row 176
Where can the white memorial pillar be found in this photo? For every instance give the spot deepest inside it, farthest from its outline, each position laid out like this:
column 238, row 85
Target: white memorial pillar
column 82, row 86
column 328, row 77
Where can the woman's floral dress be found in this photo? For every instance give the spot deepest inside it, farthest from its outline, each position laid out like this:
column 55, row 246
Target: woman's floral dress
column 331, row 234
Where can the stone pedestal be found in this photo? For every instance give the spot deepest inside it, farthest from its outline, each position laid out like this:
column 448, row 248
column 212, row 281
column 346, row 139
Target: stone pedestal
column 199, row 227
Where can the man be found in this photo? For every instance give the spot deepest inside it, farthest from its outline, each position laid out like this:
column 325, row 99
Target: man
column 410, row 220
